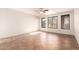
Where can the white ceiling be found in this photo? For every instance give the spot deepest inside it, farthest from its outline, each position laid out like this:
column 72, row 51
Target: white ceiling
column 32, row 11
column 35, row 11
column 58, row 10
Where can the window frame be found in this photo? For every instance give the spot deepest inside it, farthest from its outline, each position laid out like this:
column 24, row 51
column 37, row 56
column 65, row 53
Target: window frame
column 63, row 20
column 53, row 22
column 42, row 22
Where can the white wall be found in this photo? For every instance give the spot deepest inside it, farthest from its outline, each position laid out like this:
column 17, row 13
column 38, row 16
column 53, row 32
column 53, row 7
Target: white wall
column 76, row 23
column 15, row 22
column 59, row 30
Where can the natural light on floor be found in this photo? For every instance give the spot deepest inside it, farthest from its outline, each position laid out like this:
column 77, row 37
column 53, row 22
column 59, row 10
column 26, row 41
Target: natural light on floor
column 33, row 33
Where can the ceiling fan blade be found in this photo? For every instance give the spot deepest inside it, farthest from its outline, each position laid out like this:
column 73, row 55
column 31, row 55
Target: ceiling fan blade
column 45, row 10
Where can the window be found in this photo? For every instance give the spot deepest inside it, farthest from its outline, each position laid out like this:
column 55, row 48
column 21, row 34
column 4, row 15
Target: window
column 53, row 22
column 43, row 22
column 65, row 21
column 50, row 22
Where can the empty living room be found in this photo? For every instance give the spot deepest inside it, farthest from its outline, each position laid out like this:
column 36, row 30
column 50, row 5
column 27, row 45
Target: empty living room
column 39, row 28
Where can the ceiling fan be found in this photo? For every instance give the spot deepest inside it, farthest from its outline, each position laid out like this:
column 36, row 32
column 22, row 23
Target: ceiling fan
column 43, row 10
